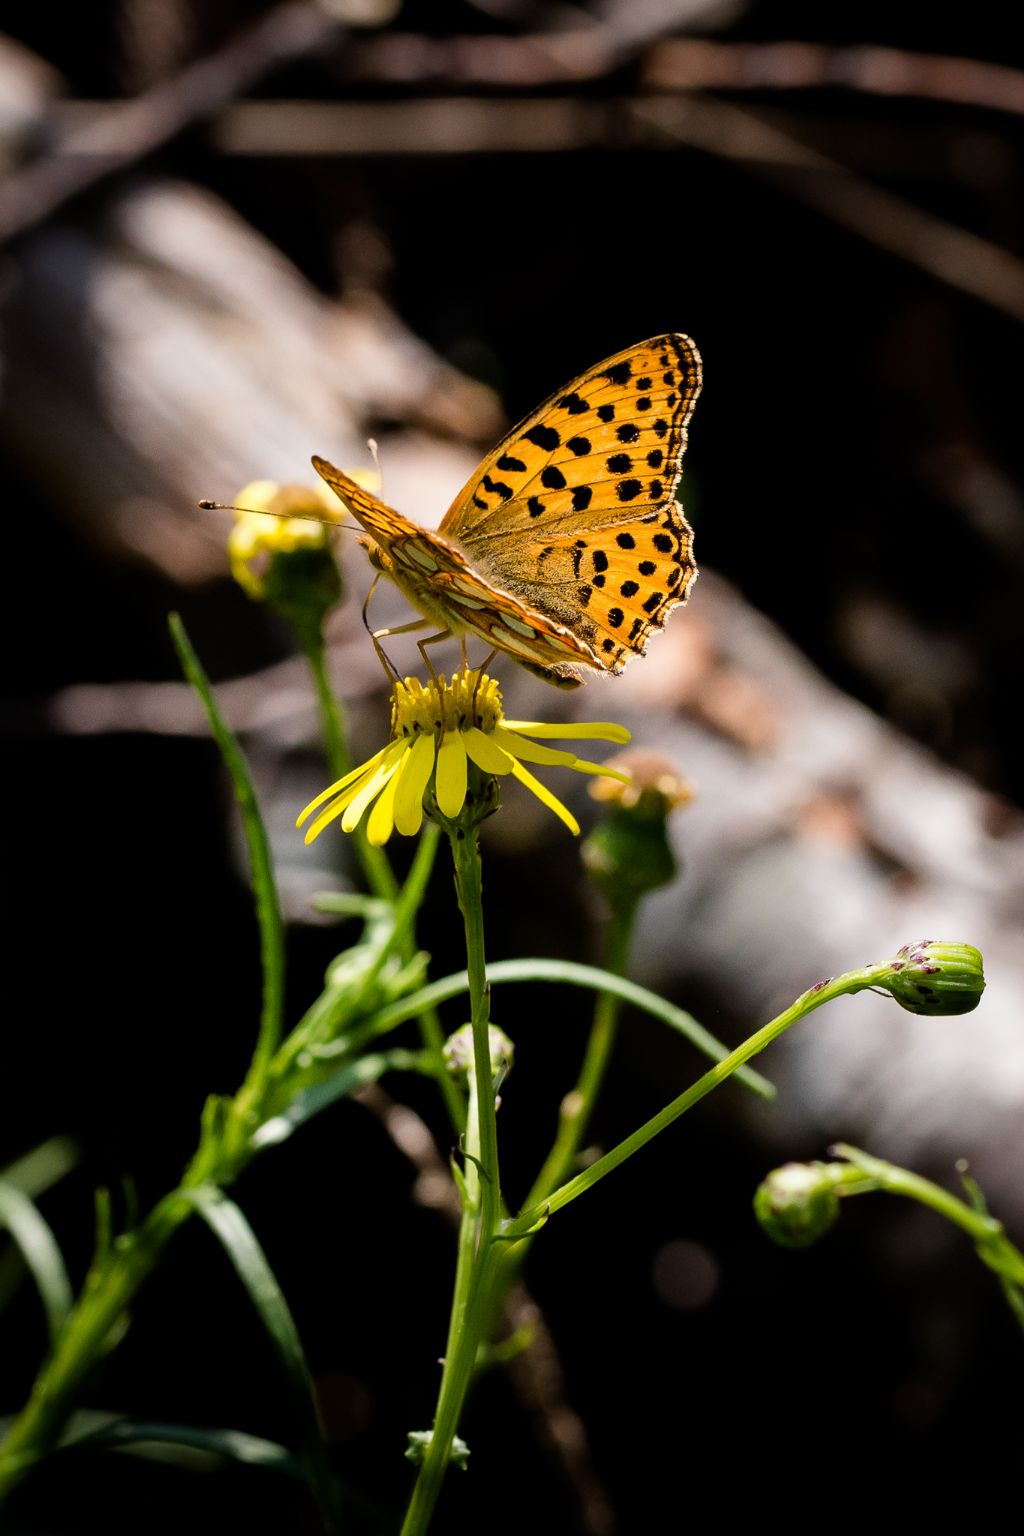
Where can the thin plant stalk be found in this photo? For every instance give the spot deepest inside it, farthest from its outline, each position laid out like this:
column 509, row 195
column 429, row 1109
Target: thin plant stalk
column 481, row 1202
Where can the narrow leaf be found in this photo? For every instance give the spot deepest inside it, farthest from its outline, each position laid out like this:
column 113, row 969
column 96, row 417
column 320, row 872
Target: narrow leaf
column 240, row 1244
column 571, row 974
column 268, row 911
column 231, row 1443
column 38, row 1248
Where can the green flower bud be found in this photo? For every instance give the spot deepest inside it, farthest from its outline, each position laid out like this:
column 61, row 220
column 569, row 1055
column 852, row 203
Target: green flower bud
column 797, row 1203
column 628, row 854
column 458, row 1054
column 936, row 978
column 419, row 1439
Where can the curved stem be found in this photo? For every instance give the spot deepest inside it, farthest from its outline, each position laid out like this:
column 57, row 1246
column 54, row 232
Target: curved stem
column 840, row 986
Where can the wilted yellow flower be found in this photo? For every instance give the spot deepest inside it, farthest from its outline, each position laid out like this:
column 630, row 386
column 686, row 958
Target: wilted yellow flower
column 437, row 731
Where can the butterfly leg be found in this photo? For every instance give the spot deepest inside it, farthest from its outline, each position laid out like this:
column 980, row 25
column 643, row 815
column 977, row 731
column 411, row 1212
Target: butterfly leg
column 481, row 669
column 421, row 645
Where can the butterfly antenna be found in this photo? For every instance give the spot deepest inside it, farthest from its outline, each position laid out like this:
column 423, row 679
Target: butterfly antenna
column 371, row 443
column 206, row 505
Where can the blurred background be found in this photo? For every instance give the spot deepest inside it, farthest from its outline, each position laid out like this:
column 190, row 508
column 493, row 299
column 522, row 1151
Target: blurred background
column 235, row 234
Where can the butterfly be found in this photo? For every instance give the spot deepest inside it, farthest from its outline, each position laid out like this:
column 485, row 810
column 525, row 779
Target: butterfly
column 567, row 546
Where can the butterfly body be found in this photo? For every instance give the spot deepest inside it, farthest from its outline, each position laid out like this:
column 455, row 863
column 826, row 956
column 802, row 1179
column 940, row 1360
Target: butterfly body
column 567, row 547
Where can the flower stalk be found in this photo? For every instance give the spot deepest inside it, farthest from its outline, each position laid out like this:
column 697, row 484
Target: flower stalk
column 479, row 1186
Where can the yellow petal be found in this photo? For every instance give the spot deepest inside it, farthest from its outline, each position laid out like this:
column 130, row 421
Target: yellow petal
column 530, row 752
column 546, row 797
column 333, row 789
column 382, row 817
column 412, row 782
column 581, row 765
column 450, row 782
column 485, row 752
column 600, row 730
column 333, row 811
column 373, row 785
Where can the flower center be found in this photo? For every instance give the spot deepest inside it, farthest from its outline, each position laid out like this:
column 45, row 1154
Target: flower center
column 469, row 699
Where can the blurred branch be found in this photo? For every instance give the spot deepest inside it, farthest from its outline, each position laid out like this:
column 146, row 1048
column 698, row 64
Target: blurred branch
column 124, row 132
column 696, row 64
column 545, row 59
column 955, row 256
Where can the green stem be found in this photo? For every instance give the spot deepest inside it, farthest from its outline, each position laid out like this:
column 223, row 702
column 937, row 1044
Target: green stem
column 268, row 911
column 840, row 986
column 481, row 1191
column 986, row 1231
column 578, row 1104
column 92, row 1329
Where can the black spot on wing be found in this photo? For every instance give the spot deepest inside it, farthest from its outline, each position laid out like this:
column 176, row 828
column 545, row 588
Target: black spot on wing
column 507, row 461
column 619, row 463
column 615, row 617
column 606, row 412
column 629, row 588
column 654, row 601
column 647, row 567
column 497, row 488
column 574, row 404
column 553, row 478
column 600, row 560
column 608, row 645
column 581, row 498
column 543, row 437
column 628, row 432
column 628, row 490
column 535, row 506
column 625, row 541
column 663, row 541
column 579, row 446
column 619, row 373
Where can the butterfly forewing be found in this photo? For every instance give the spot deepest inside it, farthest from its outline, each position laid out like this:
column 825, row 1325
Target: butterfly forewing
column 575, row 510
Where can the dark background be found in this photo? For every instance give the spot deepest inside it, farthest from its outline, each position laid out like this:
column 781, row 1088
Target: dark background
column 853, row 405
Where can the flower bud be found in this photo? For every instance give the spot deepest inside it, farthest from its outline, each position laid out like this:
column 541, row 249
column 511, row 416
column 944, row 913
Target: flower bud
column 419, row 1440
column 797, row 1203
column 458, row 1053
column 936, row 978
column 628, row 854
column 281, row 552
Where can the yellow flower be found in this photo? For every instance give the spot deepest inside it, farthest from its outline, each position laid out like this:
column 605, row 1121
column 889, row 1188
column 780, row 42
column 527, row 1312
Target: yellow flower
column 276, row 520
column 437, row 732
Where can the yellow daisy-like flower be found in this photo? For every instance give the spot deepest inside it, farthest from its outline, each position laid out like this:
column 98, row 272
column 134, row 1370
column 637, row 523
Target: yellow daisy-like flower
column 437, row 732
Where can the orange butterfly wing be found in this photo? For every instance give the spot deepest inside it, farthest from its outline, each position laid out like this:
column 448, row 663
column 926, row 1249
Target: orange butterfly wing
column 575, row 511
column 567, row 545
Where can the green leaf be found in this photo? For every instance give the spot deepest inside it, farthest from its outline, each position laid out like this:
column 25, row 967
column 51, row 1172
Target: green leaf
column 571, row 974
column 268, row 911
column 355, row 1074
column 241, row 1246
column 234, row 1444
column 40, row 1168
column 38, row 1248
